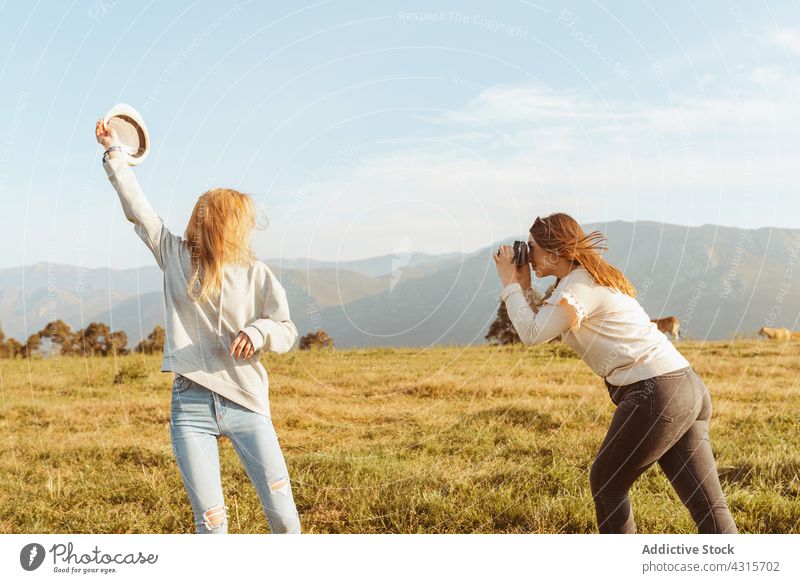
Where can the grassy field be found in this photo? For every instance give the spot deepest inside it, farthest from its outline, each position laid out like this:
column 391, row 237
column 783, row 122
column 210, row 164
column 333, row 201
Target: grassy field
column 443, row 440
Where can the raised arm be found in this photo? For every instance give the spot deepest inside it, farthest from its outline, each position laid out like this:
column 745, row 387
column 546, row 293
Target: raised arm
column 148, row 225
column 274, row 330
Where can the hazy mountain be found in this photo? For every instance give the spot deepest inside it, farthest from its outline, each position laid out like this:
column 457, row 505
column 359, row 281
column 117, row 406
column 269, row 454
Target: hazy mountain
column 717, row 280
column 455, row 304
column 372, row 266
column 330, row 286
column 79, row 280
column 32, row 296
column 137, row 315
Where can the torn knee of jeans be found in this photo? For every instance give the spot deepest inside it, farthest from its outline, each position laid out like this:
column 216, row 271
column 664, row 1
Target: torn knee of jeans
column 214, row 517
column 280, row 486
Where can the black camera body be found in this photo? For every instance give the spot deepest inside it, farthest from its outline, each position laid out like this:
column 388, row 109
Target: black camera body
column 520, row 253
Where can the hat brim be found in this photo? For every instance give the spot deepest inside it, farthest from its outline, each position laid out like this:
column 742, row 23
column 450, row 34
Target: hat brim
column 131, row 130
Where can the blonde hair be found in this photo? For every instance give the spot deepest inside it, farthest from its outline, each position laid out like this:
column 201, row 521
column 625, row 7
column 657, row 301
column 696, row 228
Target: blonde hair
column 218, row 232
column 562, row 234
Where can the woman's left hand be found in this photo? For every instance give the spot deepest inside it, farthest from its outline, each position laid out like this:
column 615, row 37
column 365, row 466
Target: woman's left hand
column 242, row 346
column 508, row 271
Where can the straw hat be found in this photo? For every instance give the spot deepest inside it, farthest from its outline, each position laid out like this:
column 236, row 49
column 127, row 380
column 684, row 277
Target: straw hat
column 132, row 132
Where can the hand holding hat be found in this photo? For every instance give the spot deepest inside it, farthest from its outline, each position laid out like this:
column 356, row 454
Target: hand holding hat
column 106, row 136
column 123, row 128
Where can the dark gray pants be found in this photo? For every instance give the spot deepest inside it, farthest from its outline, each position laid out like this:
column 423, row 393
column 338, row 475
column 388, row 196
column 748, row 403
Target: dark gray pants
column 662, row 419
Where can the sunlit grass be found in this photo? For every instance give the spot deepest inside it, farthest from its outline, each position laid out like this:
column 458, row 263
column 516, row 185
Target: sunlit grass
column 446, row 440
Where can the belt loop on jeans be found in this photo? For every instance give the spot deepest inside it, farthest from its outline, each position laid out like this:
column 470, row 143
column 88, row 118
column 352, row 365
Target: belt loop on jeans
column 612, row 390
column 618, row 392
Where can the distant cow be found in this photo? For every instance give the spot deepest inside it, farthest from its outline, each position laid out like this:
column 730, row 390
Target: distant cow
column 775, row 333
column 669, row 325
column 796, row 335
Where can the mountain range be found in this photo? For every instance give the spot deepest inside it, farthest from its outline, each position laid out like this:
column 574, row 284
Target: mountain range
column 718, row 281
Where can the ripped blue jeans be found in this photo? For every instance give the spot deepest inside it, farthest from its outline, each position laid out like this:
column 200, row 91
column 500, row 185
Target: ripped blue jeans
column 199, row 417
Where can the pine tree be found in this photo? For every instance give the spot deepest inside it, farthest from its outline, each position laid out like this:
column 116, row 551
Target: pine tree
column 116, row 343
column 91, row 341
column 154, row 343
column 319, row 339
column 60, row 334
column 31, row 345
column 502, row 331
column 13, row 348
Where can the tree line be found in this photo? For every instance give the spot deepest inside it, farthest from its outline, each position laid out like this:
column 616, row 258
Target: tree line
column 96, row 339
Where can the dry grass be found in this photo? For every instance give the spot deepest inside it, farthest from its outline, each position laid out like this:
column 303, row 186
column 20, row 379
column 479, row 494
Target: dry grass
column 444, row 440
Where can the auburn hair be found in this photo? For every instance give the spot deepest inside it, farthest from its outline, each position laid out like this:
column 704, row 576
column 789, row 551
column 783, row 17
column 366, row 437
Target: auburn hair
column 219, row 232
column 562, row 234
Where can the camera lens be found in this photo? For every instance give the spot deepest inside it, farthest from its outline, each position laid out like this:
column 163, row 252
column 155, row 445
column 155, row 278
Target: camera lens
column 520, row 253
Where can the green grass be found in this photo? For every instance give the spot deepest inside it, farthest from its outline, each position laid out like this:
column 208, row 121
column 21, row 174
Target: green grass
column 444, row 440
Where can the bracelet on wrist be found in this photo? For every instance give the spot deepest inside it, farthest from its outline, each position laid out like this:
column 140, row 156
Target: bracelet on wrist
column 111, row 149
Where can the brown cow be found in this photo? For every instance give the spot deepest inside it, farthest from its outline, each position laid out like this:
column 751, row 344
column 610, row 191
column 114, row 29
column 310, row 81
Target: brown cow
column 796, row 335
column 669, row 325
column 775, row 333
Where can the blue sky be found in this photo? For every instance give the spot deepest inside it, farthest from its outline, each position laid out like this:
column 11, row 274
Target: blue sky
column 371, row 128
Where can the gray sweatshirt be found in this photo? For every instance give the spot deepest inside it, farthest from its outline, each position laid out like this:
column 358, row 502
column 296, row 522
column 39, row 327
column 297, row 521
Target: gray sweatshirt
column 199, row 335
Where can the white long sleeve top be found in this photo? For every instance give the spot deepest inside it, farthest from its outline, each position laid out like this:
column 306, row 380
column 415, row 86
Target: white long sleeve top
column 608, row 329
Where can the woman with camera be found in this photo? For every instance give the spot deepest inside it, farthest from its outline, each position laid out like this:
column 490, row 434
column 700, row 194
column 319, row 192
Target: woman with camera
column 663, row 406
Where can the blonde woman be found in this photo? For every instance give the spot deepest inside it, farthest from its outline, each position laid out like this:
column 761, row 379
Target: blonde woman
column 223, row 308
column 663, row 406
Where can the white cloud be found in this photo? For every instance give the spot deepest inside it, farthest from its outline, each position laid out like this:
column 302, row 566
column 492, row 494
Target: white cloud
column 767, row 75
column 510, row 104
column 530, row 107
column 788, row 38
column 514, row 152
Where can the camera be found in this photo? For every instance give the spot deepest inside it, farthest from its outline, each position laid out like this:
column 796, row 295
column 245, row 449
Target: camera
column 520, row 253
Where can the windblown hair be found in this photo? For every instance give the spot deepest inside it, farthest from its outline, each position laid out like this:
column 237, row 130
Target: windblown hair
column 218, row 232
column 562, row 234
